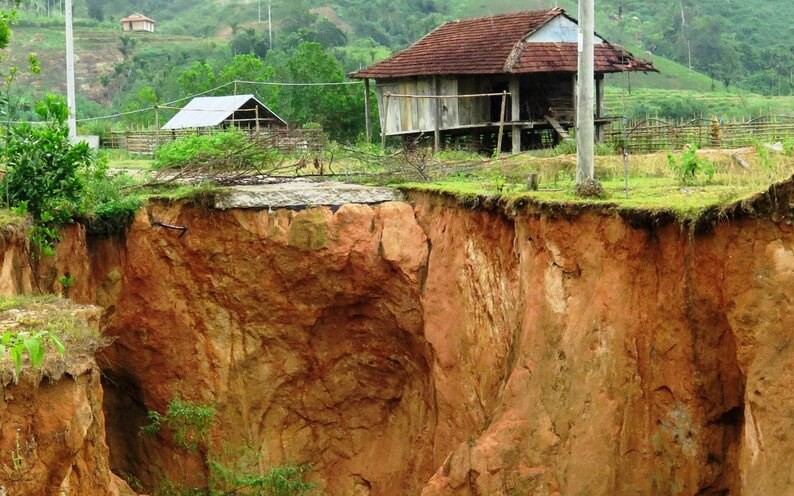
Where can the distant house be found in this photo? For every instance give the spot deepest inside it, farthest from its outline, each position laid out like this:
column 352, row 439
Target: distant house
column 242, row 111
column 530, row 55
column 137, row 23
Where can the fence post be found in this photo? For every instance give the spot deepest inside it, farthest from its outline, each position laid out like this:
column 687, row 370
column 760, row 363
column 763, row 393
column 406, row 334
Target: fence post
column 156, row 128
column 367, row 122
column 385, row 120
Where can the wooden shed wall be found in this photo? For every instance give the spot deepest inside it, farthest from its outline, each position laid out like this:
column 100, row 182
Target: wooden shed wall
column 413, row 115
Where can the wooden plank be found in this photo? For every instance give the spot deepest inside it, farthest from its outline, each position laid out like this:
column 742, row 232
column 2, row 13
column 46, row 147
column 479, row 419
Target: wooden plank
column 437, row 117
column 407, row 108
column 449, row 114
column 557, row 127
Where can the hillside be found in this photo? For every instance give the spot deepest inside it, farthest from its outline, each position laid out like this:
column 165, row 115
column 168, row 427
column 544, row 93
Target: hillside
column 119, row 72
column 741, row 43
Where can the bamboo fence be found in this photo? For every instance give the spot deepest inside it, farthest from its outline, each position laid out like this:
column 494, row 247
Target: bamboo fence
column 146, row 142
column 652, row 135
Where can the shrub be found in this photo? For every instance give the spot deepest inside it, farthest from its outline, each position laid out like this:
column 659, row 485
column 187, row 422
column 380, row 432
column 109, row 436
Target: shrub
column 189, row 422
column 227, row 150
column 43, row 175
column 690, row 166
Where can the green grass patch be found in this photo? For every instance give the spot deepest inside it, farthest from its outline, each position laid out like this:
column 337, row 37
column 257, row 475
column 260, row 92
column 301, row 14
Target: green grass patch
column 648, row 193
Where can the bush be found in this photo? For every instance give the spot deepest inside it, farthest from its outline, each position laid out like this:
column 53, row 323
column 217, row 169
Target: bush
column 227, row 150
column 690, row 166
column 43, row 175
column 110, row 203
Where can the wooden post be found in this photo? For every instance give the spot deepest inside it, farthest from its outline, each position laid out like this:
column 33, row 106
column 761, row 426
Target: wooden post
column 156, row 127
column 256, row 115
column 385, row 121
column 599, row 107
column 367, row 121
column 501, row 124
column 515, row 98
column 437, row 119
column 533, row 181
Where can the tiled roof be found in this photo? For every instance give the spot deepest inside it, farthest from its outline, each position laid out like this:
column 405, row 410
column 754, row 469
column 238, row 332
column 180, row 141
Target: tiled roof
column 495, row 45
column 563, row 57
column 136, row 17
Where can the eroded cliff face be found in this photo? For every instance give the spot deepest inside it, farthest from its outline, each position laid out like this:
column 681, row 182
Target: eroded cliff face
column 430, row 348
column 52, row 429
column 304, row 328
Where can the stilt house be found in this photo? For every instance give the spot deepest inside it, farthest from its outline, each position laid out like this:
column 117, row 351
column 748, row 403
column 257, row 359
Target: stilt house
column 530, row 55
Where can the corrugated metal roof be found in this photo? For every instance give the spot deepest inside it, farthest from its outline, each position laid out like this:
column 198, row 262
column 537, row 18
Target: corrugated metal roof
column 211, row 111
column 495, row 45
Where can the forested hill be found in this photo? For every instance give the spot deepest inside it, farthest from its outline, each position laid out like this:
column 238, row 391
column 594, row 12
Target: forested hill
column 747, row 43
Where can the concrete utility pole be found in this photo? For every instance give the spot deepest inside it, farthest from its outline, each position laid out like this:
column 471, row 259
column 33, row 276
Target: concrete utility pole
column 70, row 96
column 585, row 122
column 270, row 22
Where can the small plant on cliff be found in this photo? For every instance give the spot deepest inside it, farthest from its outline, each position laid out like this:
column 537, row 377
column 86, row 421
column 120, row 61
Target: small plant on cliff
column 66, row 281
column 189, row 423
column 34, row 344
column 281, row 480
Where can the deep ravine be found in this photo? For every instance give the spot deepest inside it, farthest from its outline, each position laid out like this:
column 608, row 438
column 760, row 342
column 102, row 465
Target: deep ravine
column 426, row 347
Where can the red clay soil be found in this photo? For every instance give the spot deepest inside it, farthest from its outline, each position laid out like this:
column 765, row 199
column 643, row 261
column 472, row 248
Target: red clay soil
column 444, row 350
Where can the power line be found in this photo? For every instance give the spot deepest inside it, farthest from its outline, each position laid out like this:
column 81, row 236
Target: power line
column 168, row 104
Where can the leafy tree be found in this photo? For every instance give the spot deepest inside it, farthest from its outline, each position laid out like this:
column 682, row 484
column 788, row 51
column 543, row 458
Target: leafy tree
column 251, row 42
column 248, row 67
column 199, row 78
column 328, row 34
column 339, row 109
column 145, row 97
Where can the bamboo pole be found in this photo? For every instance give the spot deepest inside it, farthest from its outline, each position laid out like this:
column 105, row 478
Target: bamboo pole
column 367, row 120
column 501, row 124
column 385, row 122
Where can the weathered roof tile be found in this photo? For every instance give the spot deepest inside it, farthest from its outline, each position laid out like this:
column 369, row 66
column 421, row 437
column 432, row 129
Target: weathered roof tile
column 489, row 45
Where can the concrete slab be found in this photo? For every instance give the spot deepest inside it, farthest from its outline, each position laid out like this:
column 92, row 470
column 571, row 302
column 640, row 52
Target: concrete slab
column 295, row 194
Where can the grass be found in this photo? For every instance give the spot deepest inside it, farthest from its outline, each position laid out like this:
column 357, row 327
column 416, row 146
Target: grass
column 651, row 102
column 131, row 164
column 652, row 186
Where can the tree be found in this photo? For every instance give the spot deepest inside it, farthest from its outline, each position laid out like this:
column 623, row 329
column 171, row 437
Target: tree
column 328, row 34
column 249, row 41
column 248, row 67
column 339, row 109
column 95, row 10
column 199, row 78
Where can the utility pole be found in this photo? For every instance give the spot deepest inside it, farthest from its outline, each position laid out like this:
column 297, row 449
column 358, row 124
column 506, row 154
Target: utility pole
column 259, row 4
column 585, row 120
column 70, row 96
column 270, row 22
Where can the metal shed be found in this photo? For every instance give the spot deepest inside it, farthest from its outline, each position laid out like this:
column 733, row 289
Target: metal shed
column 243, row 111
